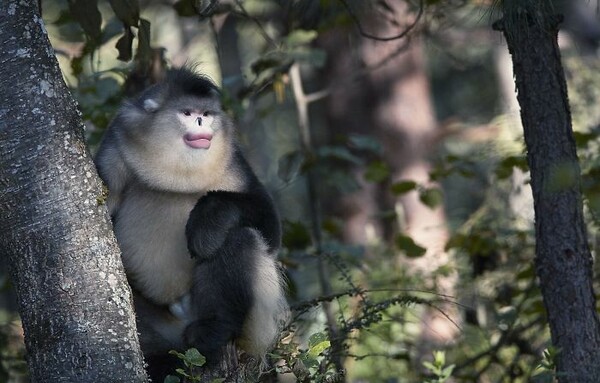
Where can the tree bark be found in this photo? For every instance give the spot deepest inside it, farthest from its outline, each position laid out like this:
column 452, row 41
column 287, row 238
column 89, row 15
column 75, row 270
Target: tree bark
column 73, row 297
column 563, row 259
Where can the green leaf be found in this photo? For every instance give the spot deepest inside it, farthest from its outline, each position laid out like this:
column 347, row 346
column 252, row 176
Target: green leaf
column 218, row 380
column 177, row 354
column 377, row 171
column 77, row 65
column 194, row 358
column 439, row 358
column 535, row 307
column 506, row 316
column 582, row 139
column 144, row 51
column 318, row 348
column 316, row 338
column 365, row 142
column 309, row 362
column 431, row 197
column 185, row 8
column 124, row 45
column 267, row 62
column 403, row 187
column 88, row 16
column 446, row 372
column 182, row 372
column 505, row 168
column 64, row 17
column 128, row 11
column 527, row 273
column 339, row 153
column 295, row 235
column 457, row 241
column 172, row 379
column 300, row 37
column 408, row 245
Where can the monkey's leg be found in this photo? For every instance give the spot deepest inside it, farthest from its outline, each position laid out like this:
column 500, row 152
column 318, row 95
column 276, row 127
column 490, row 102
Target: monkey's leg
column 222, row 294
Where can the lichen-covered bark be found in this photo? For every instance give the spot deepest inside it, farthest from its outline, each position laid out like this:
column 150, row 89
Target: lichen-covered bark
column 563, row 259
column 73, row 297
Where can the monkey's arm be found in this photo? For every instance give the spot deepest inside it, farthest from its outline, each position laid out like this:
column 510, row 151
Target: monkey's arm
column 209, row 223
column 219, row 212
column 113, row 171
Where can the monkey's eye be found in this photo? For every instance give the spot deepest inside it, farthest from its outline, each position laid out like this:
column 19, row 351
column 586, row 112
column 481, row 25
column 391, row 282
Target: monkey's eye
column 186, row 112
column 206, row 114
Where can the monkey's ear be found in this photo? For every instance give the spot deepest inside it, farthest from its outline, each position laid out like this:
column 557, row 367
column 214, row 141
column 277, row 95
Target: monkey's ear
column 151, row 99
column 150, row 105
column 134, row 113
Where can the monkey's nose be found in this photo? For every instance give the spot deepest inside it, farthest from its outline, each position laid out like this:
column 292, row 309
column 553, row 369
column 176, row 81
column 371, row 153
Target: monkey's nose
column 199, row 121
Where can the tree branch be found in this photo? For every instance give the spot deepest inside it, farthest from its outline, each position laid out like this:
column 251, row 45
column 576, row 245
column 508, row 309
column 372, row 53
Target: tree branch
column 380, row 38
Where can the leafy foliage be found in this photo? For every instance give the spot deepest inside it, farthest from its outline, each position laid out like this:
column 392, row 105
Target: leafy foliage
column 191, row 359
column 438, row 368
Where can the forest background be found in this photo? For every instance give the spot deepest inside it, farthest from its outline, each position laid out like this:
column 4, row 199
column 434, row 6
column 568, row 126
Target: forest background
column 388, row 133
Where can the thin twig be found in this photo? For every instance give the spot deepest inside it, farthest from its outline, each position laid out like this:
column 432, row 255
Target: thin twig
column 505, row 337
column 306, row 142
column 379, row 38
column 323, row 93
column 243, row 12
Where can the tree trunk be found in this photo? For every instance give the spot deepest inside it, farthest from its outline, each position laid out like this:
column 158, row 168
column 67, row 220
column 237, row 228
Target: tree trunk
column 563, row 259
column 73, row 297
column 392, row 102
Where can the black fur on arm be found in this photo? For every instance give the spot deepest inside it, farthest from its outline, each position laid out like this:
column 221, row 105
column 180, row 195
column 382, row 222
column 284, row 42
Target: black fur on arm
column 219, row 212
column 222, row 295
column 209, row 224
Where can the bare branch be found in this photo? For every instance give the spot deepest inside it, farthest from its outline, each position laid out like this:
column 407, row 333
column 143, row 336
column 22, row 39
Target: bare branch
column 243, row 12
column 380, row 38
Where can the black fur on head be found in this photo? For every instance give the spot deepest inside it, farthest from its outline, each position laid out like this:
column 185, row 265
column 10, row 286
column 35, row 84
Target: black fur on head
column 185, row 81
column 178, row 82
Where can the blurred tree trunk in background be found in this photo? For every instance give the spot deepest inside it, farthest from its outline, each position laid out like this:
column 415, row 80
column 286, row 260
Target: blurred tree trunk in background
column 73, row 297
column 386, row 94
column 563, row 259
column 520, row 199
column 582, row 21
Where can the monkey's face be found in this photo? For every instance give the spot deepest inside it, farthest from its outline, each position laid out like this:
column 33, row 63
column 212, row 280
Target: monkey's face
column 180, row 144
column 188, row 125
column 198, row 125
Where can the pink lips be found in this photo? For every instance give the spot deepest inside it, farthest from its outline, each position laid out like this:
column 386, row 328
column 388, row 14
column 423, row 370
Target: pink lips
column 197, row 141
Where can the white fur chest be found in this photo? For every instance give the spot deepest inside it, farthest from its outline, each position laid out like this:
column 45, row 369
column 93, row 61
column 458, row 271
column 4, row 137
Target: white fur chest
column 150, row 229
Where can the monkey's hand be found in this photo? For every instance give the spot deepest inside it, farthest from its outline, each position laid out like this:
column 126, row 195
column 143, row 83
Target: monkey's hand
column 209, row 224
